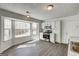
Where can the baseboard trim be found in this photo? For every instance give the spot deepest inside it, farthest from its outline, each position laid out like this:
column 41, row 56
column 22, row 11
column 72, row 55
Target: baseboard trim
column 13, row 46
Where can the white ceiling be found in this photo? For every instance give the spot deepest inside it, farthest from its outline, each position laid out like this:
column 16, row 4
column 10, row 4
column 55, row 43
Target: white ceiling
column 39, row 10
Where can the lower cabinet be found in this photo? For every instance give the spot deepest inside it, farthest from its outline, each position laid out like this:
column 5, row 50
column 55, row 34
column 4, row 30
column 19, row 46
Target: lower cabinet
column 47, row 37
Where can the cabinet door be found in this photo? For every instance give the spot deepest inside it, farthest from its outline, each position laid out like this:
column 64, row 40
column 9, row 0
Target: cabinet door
column 52, row 37
column 41, row 36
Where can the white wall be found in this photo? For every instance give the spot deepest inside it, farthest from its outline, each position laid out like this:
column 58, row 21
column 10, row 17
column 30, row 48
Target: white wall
column 5, row 45
column 70, row 27
column 20, row 40
column 0, row 33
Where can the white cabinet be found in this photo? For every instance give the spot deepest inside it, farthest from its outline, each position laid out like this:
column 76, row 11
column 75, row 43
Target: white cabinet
column 51, row 37
column 41, row 36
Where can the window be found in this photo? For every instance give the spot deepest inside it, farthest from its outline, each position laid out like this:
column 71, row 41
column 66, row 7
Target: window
column 22, row 28
column 7, row 29
column 34, row 28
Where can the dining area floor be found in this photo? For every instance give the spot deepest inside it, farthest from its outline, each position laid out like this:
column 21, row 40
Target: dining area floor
column 37, row 48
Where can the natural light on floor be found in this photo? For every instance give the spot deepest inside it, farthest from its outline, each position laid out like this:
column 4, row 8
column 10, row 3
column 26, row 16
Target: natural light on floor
column 28, row 45
column 33, row 41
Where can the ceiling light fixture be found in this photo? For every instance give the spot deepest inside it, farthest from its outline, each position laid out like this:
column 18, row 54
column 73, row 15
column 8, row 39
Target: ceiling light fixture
column 27, row 12
column 27, row 16
column 50, row 7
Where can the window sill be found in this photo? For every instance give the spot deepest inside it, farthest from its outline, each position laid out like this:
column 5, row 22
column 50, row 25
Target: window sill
column 22, row 36
column 6, row 40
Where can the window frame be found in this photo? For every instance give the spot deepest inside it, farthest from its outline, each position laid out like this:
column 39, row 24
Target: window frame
column 3, row 31
column 22, row 22
column 13, row 27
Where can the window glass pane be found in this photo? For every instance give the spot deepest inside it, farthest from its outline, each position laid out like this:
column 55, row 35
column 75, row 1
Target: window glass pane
column 22, row 28
column 7, row 29
column 34, row 28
